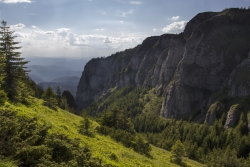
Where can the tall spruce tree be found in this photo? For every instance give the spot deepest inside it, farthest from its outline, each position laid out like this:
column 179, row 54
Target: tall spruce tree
column 2, row 67
column 14, row 68
column 178, row 152
column 3, row 96
column 49, row 98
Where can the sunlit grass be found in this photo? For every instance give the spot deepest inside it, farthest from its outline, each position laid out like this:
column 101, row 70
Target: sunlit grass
column 7, row 162
column 103, row 147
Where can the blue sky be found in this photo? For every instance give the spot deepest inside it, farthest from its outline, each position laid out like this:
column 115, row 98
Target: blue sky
column 95, row 28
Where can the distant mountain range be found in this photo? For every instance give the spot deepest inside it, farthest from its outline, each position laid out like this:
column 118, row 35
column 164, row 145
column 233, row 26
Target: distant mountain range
column 65, row 83
column 75, row 64
column 41, row 73
column 55, row 76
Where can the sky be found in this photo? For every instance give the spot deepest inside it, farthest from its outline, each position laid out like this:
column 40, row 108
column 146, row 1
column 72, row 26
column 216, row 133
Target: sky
column 98, row 28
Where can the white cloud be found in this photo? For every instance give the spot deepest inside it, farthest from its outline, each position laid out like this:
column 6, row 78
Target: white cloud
column 124, row 14
column 81, row 41
column 16, row 1
column 154, row 29
column 17, row 26
column 175, row 27
column 36, row 30
column 174, row 18
column 99, row 29
column 63, row 42
column 135, row 2
column 49, row 32
column 63, row 32
column 35, row 27
column 107, row 40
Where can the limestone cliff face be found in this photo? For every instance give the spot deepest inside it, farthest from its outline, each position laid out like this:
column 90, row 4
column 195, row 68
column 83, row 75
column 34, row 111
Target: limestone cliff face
column 212, row 53
column 214, row 49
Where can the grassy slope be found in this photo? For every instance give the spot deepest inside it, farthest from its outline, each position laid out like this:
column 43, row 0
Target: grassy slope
column 152, row 102
column 63, row 122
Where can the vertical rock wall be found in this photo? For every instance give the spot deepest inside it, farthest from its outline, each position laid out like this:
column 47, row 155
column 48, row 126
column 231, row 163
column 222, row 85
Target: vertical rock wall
column 211, row 53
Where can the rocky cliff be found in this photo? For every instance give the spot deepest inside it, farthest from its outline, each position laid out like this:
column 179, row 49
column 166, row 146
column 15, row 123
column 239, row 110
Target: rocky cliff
column 187, row 69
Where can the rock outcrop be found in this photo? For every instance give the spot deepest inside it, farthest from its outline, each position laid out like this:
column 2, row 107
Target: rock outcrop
column 233, row 116
column 213, row 112
column 187, row 68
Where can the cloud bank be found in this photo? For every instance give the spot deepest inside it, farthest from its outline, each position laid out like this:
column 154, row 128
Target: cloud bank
column 175, row 27
column 17, row 27
column 63, row 42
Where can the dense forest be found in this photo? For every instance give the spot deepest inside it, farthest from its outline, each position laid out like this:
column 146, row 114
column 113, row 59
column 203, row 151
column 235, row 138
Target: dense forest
column 213, row 145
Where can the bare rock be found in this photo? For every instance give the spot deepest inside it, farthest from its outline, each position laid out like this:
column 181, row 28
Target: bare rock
column 214, row 109
column 233, row 116
column 211, row 53
column 239, row 80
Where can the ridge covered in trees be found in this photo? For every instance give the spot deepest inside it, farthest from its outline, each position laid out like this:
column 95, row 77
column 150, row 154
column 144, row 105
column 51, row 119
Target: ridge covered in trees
column 201, row 142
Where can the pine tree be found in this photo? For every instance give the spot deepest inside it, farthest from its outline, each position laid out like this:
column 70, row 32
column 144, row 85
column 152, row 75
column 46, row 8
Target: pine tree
column 178, row 152
column 58, row 95
column 2, row 67
column 84, row 127
column 70, row 101
column 64, row 103
column 3, row 96
column 49, row 98
column 242, row 125
column 14, row 64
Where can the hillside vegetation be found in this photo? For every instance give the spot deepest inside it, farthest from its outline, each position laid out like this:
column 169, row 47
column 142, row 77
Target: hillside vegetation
column 215, row 145
column 102, row 148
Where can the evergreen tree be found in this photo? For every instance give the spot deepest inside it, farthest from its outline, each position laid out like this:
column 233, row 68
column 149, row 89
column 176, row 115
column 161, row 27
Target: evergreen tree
column 2, row 67
column 3, row 96
column 70, row 101
column 58, row 95
column 85, row 127
column 178, row 152
column 14, row 64
column 242, row 125
column 49, row 98
column 142, row 146
column 64, row 103
column 116, row 118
